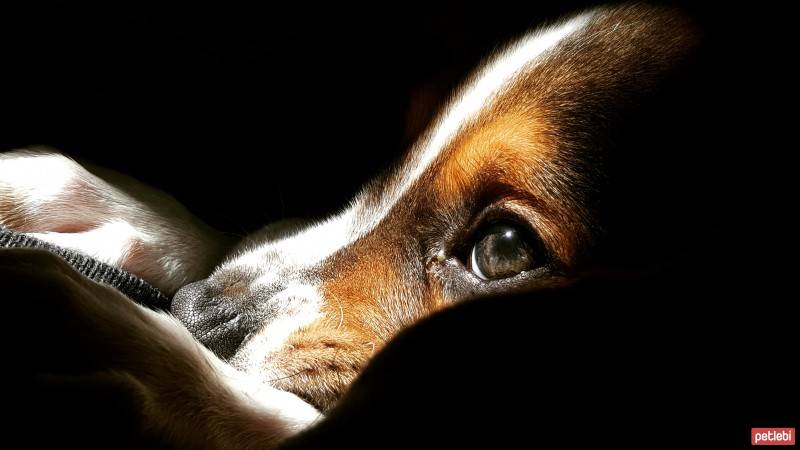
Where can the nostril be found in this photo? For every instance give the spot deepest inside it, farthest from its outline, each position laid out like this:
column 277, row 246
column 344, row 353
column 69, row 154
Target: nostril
column 215, row 320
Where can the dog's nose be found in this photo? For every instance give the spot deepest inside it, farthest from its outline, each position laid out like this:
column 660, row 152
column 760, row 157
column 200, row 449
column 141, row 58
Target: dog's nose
column 218, row 321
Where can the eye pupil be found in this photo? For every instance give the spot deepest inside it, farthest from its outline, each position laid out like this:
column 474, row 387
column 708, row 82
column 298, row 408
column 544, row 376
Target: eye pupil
column 501, row 252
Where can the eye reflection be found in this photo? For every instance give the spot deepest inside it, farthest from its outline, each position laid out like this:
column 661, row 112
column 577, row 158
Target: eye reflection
column 501, row 251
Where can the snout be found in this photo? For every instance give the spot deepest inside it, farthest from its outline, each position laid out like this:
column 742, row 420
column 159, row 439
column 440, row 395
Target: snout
column 279, row 329
column 218, row 320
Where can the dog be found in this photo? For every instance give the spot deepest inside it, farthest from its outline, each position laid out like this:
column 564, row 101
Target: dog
column 498, row 196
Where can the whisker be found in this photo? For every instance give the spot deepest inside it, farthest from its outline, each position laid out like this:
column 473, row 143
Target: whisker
column 289, row 376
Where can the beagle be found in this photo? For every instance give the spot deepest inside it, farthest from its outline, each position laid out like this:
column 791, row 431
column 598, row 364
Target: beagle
column 266, row 334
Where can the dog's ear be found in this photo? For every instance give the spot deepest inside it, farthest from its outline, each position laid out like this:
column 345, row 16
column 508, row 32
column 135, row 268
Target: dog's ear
column 105, row 215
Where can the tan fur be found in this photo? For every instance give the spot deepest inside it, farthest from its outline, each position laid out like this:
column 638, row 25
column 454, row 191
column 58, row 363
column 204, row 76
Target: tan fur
column 495, row 149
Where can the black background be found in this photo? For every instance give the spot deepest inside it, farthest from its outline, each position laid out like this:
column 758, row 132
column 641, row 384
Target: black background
column 248, row 115
column 245, row 114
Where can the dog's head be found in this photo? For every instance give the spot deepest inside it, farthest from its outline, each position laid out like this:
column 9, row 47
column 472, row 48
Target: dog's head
column 500, row 194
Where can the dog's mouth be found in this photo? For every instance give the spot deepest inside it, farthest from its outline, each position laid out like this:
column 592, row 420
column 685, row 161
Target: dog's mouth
column 283, row 341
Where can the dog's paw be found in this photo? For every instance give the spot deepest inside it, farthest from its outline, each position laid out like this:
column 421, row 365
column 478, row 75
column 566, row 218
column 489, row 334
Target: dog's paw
column 105, row 215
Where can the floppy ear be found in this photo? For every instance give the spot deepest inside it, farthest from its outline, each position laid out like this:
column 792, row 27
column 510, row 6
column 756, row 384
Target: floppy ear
column 106, row 215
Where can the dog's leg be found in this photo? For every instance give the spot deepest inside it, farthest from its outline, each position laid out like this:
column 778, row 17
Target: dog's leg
column 181, row 386
column 106, row 215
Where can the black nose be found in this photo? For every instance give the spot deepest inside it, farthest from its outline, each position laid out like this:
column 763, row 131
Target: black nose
column 219, row 322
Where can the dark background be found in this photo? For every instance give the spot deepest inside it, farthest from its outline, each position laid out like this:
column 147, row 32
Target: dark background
column 247, row 114
column 244, row 114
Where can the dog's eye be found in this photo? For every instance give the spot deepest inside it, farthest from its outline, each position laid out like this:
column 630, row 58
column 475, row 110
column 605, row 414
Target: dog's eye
column 501, row 251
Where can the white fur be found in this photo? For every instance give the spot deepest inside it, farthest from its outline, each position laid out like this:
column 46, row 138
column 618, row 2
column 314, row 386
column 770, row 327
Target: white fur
column 37, row 179
column 109, row 242
column 305, row 248
column 65, row 204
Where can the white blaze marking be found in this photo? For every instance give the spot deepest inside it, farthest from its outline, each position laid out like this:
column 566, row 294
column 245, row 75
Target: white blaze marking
column 491, row 80
column 303, row 249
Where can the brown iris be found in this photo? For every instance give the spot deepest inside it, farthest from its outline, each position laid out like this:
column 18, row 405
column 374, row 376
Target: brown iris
column 501, row 251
